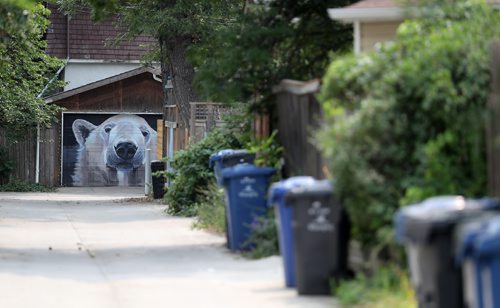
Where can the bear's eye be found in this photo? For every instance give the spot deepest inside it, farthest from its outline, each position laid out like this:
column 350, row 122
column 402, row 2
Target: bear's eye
column 107, row 129
column 145, row 133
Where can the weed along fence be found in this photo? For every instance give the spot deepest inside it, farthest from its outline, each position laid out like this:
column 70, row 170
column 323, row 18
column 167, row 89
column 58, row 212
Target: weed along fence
column 299, row 114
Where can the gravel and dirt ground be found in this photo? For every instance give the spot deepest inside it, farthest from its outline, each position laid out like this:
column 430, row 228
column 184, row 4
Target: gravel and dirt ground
column 89, row 247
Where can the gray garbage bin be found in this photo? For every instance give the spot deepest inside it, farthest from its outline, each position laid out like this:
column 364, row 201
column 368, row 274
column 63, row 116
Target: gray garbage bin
column 321, row 232
column 427, row 231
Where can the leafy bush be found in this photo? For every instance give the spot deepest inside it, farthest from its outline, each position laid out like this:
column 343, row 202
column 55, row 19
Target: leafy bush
column 268, row 151
column 211, row 210
column 406, row 122
column 16, row 185
column 192, row 173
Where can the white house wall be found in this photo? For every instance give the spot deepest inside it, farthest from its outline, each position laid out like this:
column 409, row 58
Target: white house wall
column 372, row 33
column 82, row 73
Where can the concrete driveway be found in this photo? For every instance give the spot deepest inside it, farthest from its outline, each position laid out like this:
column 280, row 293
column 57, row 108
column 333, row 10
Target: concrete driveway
column 97, row 248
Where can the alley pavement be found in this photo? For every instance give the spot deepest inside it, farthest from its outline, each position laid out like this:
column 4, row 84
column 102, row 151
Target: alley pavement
column 106, row 247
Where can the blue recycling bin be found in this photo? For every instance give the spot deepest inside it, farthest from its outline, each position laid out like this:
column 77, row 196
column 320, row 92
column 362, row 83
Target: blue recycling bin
column 478, row 253
column 228, row 158
column 246, row 187
column 283, row 212
column 427, row 229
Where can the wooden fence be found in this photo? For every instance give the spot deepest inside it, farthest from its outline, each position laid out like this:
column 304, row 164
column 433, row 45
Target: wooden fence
column 299, row 115
column 205, row 117
column 23, row 153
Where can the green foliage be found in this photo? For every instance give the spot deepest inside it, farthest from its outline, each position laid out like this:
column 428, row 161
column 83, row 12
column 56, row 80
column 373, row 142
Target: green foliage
column 192, row 173
column 161, row 19
column 211, row 209
column 268, row 151
column 16, row 185
column 406, row 122
column 6, row 165
column 269, row 41
column 263, row 240
column 25, row 68
column 388, row 287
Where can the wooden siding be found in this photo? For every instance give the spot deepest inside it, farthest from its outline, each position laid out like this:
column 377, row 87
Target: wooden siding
column 376, row 32
column 299, row 115
column 135, row 94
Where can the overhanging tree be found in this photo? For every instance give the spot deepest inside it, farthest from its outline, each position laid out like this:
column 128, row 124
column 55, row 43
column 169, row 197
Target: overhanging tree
column 177, row 24
column 25, row 69
column 271, row 41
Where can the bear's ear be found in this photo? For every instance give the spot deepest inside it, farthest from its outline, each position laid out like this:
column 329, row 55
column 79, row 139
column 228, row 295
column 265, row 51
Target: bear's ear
column 82, row 130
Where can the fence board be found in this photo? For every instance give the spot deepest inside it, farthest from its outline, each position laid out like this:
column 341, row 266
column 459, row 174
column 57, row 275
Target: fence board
column 299, row 115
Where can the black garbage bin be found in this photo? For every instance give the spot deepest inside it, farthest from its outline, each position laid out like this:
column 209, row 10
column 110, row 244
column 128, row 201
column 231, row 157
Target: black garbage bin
column 158, row 181
column 321, row 232
column 427, row 230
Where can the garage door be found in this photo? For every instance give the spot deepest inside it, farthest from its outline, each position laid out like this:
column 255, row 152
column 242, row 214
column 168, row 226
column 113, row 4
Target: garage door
column 107, row 149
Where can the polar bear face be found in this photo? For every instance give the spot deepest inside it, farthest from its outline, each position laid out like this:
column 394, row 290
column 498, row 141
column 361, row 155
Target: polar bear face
column 118, row 143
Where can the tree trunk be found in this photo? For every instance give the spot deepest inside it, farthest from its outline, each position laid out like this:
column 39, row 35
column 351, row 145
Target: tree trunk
column 174, row 64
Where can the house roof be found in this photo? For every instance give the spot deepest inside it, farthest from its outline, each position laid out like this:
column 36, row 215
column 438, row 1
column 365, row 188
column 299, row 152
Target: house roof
column 368, row 10
column 373, row 4
column 101, row 83
column 374, row 10
column 78, row 37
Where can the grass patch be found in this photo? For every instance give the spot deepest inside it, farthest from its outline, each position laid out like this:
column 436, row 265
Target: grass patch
column 264, row 238
column 16, row 185
column 211, row 210
column 389, row 286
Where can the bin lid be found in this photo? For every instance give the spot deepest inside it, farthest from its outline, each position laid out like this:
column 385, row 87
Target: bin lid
column 246, row 170
column 236, row 153
column 479, row 239
column 420, row 222
column 277, row 190
column 218, row 156
column 157, row 163
column 315, row 188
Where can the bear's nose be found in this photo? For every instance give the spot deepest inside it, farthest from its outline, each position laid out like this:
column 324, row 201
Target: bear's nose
column 125, row 150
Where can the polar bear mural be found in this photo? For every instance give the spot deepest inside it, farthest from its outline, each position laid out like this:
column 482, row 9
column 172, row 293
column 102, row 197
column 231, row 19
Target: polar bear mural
column 112, row 153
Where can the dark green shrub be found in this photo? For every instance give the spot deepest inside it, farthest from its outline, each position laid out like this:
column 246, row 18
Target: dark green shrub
column 16, row 185
column 407, row 121
column 6, row 165
column 192, row 173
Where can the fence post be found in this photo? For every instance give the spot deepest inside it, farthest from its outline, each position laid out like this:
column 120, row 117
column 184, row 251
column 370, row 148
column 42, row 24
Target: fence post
column 147, row 173
column 493, row 124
